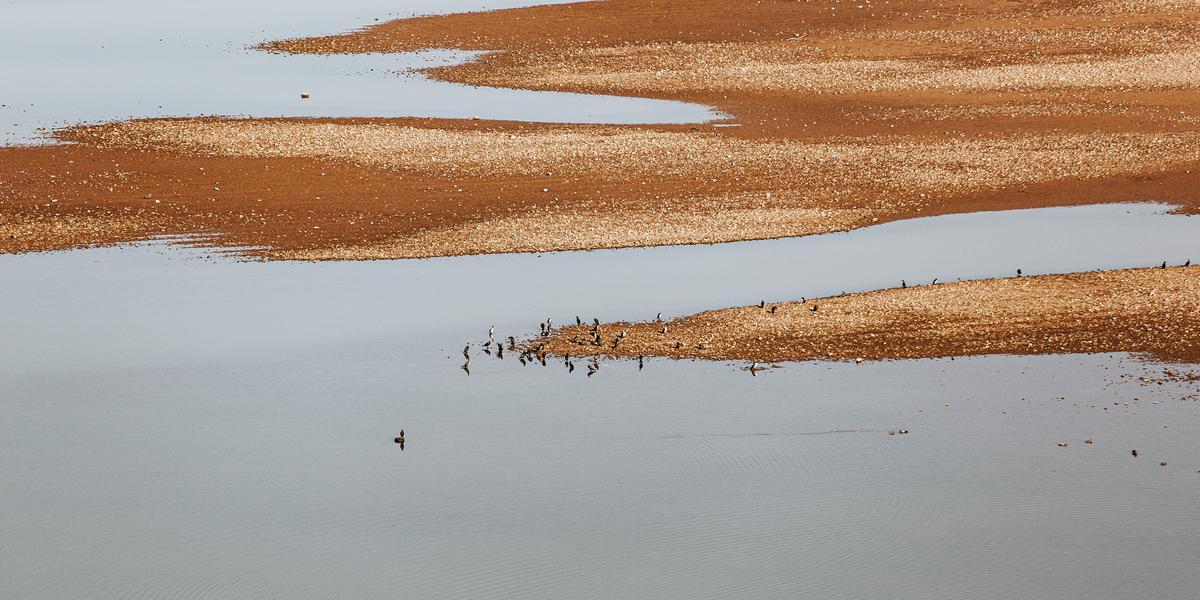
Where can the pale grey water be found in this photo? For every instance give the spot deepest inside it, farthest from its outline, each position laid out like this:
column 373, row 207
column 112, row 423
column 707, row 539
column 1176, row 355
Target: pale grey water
column 176, row 427
column 67, row 61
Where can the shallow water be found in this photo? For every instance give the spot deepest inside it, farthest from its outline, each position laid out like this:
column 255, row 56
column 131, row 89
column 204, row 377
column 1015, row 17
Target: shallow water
column 181, row 427
column 67, row 61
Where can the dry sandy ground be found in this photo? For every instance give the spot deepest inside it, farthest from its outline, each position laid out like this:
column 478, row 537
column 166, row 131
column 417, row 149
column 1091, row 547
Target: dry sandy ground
column 1152, row 311
column 850, row 113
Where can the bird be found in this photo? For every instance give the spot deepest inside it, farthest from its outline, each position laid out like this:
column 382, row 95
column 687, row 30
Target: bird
column 1018, row 272
column 578, row 321
column 595, row 322
column 512, row 343
column 934, row 281
column 400, row 439
column 773, row 309
column 903, row 284
column 487, row 348
column 1188, row 263
column 500, row 351
column 492, row 333
column 754, row 368
column 762, row 303
column 663, row 331
column 641, row 362
column 467, row 367
column 658, row 318
column 467, row 352
column 1164, row 265
column 1134, row 452
column 570, row 367
column 814, row 308
column 522, row 359
column 549, row 324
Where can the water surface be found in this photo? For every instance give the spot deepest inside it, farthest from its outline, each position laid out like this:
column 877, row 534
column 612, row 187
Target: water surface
column 176, row 426
column 70, row 61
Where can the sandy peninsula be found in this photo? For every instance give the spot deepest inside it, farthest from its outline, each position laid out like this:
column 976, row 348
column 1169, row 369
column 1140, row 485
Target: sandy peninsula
column 1153, row 311
column 848, row 114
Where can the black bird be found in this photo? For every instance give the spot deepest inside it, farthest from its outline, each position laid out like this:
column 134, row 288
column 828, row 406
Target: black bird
column 522, row 359
column 487, row 349
column 903, row 284
column 762, row 303
column 934, row 281
column 1188, row 263
column 500, row 351
column 773, row 309
column 658, row 318
column 641, row 362
column 1164, row 265
column 570, row 367
column 814, row 308
column 492, row 333
column 467, row 367
column 512, row 343
column 542, row 359
column 1018, row 272
column 1134, row 452
column 578, row 321
column 467, row 352
column 595, row 321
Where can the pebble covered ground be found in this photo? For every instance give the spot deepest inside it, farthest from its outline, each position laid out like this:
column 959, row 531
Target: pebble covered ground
column 1154, row 311
column 847, row 114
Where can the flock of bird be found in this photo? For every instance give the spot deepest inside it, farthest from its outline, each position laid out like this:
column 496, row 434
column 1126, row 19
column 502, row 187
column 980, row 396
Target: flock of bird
column 530, row 354
column 536, row 353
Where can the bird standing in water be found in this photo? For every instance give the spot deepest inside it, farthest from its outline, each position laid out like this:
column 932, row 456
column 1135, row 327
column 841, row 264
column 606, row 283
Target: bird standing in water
column 400, row 439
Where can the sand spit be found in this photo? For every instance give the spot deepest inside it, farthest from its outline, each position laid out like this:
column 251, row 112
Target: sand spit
column 1153, row 311
column 850, row 114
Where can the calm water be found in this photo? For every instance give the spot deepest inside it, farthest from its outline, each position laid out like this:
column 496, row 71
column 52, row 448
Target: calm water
column 178, row 427
column 66, row 61
column 183, row 425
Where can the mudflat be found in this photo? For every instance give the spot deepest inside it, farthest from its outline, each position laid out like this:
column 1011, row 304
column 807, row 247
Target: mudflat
column 840, row 115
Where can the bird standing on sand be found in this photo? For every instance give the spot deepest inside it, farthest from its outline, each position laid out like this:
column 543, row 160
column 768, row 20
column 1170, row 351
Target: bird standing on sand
column 1164, row 265
column 1018, row 272
column 903, row 284
column 814, row 308
column 762, row 303
column 658, row 319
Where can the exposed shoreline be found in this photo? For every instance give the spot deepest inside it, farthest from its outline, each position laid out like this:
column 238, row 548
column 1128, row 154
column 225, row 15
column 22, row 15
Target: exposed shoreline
column 1149, row 311
column 846, row 120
